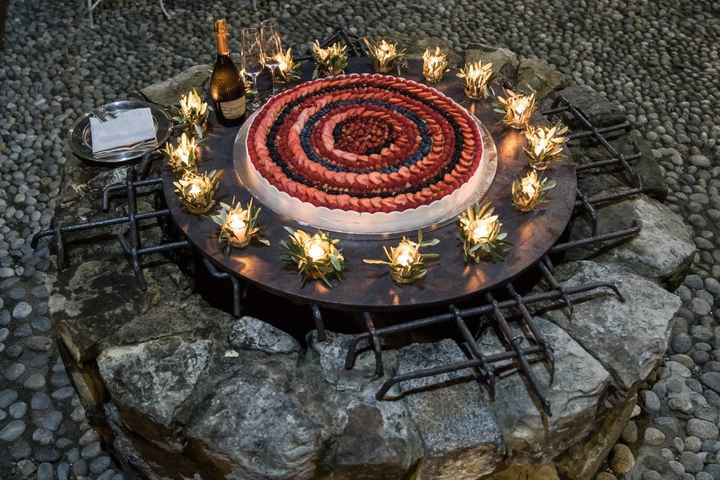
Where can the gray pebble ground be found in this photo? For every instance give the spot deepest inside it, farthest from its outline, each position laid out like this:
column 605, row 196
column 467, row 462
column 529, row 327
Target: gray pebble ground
column 661, row 58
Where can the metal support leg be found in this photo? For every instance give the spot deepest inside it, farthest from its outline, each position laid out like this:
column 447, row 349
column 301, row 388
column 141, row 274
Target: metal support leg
column 319, row 324
column 239, row 291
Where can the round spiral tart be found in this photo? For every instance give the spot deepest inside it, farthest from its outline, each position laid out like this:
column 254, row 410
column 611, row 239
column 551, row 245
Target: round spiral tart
column 365, row 143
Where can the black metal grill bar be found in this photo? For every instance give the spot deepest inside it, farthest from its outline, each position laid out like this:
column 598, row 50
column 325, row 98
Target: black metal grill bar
column 238, row 292
column 514, row 342
column 596, row 133
column 604, row 163
column 537, row 337
column 600, row 131
column 616, row 235
column 116, row 187
column 486, row 371
column 96, row 224
column 546, row 270
column 468, row 313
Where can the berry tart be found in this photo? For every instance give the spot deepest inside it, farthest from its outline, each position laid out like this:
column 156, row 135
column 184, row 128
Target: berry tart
column 365, row 153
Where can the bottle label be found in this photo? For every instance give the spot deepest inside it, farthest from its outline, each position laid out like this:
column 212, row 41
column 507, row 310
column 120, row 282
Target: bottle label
column 233, row 109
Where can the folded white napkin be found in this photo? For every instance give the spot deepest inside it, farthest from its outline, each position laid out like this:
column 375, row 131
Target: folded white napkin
column 128, row 127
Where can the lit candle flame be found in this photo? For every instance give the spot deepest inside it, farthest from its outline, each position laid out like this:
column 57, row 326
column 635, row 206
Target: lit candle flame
column 545, row 145
column 194, row 190
column 237, row 224
column 435, row 63
column 315, row 251
column 476, row 77
column 405, row 255
column 518, row 109
column 529, row 186
column 482, row 228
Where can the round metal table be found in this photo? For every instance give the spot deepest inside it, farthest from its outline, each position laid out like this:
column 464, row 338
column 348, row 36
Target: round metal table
column 367, row 287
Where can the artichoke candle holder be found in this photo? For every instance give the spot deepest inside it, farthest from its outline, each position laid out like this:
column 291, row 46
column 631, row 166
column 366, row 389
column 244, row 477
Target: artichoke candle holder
column 386, row 55
column 529, row 191
column 316, row 257
column 194, row 112
column 197, row 190
column 435, row 64
column 330, row 61
column 239, row 225
column 405, row 261
column 545, row 145
column 518, row 109
column 482, row 235
column 476, row 79
column 182, row 157
column 287, row 69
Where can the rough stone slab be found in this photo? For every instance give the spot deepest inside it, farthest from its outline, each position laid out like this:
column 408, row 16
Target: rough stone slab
column 583, row 460
column 248, row 333
column 168, row 92
column 595, row 106
column 459, row 431
column 154, row 378
column 363, row 437
column 579, row 384
column 526, row 472
column 629, row 339
column 662, row 251
column 540, row 77
column 605, row 181
column 250, row 425
column 113, row 311
column 504, row 61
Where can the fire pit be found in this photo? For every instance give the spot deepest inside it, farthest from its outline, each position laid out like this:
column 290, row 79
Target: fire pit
column 465, row 370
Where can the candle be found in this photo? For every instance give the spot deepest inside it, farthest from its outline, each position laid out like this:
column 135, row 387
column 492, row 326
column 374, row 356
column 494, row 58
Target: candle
column 287, row 68
column 238, row 225
column 331, row 60
column 481, row 231
column 405, row 261
column 405, row 255
column 518, row 109
column 545, row 145
column 386, row 55
column 315, row 256
column 315, row 250
column 529, row 191
column 183, row 156
column 197, row 190
column 476, row 79
column 435, row 64
column 194, row 112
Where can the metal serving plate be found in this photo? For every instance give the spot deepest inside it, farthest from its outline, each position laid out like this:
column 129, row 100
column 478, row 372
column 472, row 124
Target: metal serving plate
column 81, row 142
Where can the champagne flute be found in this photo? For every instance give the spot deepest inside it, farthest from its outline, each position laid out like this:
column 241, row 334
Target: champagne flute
column 252, row 54
column 272, row 46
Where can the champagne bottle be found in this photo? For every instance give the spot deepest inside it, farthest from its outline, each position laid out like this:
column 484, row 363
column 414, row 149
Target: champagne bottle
column 227, row 88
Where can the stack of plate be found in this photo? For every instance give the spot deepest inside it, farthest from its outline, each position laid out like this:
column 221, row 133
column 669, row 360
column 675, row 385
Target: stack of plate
column 81, row 138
